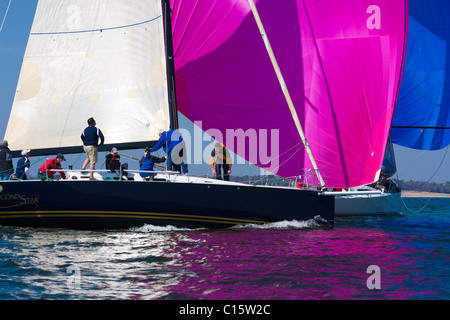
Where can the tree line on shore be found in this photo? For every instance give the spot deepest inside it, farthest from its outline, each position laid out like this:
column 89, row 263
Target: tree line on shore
column 404, row 185
column 425, row 186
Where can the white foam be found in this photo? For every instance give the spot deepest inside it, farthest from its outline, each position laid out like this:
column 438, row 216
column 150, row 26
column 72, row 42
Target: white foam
column 152, row 228
column 316, row 222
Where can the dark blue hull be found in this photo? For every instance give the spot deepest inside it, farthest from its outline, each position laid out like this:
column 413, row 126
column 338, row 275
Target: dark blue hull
column 94, row 205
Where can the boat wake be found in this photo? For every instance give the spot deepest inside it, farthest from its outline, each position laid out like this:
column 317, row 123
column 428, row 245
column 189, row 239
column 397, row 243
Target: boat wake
column 316, row 223
column 147, row 228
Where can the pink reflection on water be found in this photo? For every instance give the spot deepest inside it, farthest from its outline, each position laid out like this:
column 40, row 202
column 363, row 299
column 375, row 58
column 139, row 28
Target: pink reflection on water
column 288, row 264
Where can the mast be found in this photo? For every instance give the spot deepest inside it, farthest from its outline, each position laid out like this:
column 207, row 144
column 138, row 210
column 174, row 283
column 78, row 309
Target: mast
column 285, row 91
column 173, row 111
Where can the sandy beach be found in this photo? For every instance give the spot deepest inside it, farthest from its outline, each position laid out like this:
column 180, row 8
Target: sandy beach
column 423, row 194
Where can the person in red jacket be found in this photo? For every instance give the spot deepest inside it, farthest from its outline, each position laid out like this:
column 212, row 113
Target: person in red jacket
column 50, row 164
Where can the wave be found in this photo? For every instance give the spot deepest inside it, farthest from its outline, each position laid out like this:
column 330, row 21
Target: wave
column 152, row 228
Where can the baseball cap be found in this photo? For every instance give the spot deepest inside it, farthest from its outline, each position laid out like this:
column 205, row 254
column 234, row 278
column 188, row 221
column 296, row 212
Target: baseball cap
column 60, row 155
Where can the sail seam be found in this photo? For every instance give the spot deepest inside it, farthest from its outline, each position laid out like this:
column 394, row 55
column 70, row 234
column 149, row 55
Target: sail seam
column 330, row 99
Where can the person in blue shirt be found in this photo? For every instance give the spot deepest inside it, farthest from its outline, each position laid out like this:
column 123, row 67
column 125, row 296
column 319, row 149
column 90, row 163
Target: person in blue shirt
column 173, row 145
column 147, row 163
column 90, row 138
column 23, row 165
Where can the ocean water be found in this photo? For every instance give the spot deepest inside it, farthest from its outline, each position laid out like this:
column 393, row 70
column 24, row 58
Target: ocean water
column 403, row 257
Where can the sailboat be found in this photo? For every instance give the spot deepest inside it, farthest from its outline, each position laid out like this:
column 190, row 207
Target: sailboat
column 422, row 116
column 305, row 81
column 379, row 198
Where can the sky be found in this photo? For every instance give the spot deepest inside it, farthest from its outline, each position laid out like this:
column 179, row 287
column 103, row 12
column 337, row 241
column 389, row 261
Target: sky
column 16, row 17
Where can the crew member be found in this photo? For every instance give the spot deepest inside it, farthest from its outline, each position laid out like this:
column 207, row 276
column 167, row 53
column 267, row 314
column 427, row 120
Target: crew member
column 221, row 160
column 90, row 137
column 23, row 165
column 46, row 170
column 147, row 163
column 173, row 145
column 6, row 163
column 112, row 161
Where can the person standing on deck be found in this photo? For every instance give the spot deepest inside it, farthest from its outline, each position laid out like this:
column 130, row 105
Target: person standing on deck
column 173, row 145
column 221, row 160
column 90, row 138
column 6, row 164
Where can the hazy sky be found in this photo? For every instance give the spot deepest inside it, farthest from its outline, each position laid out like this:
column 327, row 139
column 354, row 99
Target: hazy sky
column 431, row 166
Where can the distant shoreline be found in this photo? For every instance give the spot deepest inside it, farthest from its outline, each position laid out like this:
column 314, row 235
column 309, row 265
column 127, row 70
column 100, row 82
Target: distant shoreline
column 423, row 194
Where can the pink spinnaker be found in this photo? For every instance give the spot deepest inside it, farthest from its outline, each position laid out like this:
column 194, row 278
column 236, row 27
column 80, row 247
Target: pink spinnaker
column 341, row 62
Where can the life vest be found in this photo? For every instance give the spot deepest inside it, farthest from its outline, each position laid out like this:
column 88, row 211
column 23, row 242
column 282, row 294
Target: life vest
column 220, row 157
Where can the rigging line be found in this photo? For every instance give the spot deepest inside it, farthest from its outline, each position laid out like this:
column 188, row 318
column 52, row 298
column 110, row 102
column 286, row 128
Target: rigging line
column 95, row 30
column 276, row 169
column 439, row 167
column 413, row 160
column 404, row 204
column 298, row 144
column 31, row 163
column 4, row 18
column 289, row 157
column 412, row 211
column 282, row 154
column 78, row 158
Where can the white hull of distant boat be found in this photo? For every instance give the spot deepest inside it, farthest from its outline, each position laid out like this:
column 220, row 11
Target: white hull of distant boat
column 367, row 202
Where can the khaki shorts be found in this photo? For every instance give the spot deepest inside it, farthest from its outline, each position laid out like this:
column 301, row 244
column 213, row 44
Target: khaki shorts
column 91, row 153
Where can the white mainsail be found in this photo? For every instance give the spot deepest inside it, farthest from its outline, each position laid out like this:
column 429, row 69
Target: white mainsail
column 91, row 58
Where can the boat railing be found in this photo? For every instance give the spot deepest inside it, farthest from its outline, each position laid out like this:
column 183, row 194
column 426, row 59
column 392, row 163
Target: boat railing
column 305, row 181
column 120, row 173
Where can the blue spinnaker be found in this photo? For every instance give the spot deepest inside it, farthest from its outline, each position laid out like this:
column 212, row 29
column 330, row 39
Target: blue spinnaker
column 421, row 119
